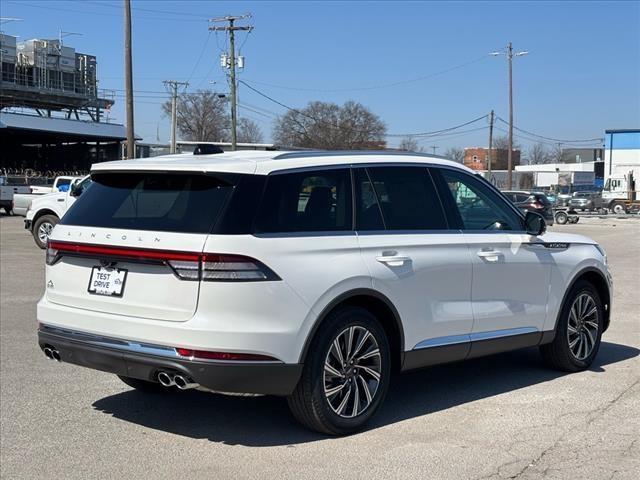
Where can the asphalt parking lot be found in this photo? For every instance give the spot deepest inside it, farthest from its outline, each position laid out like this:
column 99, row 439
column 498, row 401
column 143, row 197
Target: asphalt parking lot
column 500, row 417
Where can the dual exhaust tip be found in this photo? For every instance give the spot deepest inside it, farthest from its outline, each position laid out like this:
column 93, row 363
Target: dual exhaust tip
column 52, row 354
column 170, row 380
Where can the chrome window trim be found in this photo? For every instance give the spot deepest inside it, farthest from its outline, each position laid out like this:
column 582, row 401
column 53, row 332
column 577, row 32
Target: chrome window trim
column 473, row 337
column 132, row 346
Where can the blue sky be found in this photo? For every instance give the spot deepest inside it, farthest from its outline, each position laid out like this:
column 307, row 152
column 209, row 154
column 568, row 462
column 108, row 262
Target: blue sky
column 582, row 74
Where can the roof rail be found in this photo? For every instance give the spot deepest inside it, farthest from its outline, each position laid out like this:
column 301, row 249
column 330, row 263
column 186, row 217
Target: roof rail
column 337, row 153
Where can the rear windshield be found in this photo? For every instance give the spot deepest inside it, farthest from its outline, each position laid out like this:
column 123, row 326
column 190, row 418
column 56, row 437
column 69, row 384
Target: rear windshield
column 189, row 203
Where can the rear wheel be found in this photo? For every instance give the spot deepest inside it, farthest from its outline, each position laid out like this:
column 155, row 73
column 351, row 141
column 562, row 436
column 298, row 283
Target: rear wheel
column 143, row 385
column 578, row 332
column 562, row 218
column 618, row 208
column 346, row 374
column 43, row 228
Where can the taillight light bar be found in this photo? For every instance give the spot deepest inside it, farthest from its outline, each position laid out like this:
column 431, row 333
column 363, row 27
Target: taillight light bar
column 228, row 356
column 210, row 267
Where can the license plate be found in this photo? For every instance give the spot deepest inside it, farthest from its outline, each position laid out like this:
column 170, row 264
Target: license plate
column 107, row 281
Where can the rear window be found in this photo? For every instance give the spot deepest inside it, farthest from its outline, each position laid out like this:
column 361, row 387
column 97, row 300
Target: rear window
column 189, row 203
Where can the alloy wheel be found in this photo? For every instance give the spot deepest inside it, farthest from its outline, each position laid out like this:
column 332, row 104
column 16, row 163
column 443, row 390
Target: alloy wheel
column 44, row 231
column 582, row 327
column 352, row 371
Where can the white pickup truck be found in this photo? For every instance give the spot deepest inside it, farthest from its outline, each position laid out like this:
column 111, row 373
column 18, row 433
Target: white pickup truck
column 22, row 201
column 45, row 211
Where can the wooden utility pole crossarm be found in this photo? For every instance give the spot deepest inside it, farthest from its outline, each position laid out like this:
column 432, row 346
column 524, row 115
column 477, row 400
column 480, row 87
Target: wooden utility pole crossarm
column 173, row 85
column 231, row 28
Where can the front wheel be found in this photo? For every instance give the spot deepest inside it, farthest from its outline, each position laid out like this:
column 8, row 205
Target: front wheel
column 618, row 208
column 562, row 218
column 578, row 331
column 346, row 374
column 43, row 228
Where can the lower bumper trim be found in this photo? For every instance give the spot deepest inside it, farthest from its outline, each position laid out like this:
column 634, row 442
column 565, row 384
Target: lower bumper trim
column 241, row 377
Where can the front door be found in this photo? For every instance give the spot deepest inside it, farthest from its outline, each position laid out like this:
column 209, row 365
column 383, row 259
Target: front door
column 511, row 269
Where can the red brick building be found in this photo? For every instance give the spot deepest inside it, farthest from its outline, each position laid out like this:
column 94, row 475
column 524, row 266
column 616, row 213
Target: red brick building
column 477, row 158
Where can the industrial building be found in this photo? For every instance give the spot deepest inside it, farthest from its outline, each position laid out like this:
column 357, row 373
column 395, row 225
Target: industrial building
column 51, row 111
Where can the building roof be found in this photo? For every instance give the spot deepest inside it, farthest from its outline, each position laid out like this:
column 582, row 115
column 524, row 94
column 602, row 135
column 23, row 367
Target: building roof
column 63, row 126
column 265, row 162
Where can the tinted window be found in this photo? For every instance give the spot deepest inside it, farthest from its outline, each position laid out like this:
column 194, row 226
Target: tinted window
column 150, row 201
column 407, row 198
column 368, row 215
column 309, row 201
column 479, row 207
column 522, row 197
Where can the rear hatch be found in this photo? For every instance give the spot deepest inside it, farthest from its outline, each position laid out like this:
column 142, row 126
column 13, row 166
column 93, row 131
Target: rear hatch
column 132, row 243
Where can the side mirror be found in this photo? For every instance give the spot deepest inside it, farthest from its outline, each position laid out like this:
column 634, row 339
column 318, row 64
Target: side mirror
column 75, row 190
column 534, row 223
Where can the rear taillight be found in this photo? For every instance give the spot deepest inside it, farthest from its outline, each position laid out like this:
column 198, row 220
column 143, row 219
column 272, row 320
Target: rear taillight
column 209, row 267
column 234, row 268
column 228, row 356
column 51, row 255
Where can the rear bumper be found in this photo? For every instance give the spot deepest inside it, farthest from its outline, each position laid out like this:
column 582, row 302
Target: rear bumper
column 145, row 361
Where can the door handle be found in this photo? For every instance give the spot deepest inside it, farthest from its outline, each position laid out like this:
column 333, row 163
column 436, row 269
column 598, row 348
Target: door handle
column 61, row 199
column 393, row 260
column 490, row 255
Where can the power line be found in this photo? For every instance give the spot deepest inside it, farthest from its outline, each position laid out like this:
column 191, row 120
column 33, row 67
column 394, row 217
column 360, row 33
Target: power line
column 420, row 134
column 204, row 47
column 375, row 87
column 557, row 140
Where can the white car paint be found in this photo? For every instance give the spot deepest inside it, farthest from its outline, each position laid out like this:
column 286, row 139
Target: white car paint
column 441, row 289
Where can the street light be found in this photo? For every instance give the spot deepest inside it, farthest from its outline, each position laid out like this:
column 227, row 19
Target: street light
column 509, row 53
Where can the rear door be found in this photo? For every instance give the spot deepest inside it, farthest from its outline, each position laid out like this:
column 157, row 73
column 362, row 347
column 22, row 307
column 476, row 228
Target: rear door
column 131, row 243
column 421, row 265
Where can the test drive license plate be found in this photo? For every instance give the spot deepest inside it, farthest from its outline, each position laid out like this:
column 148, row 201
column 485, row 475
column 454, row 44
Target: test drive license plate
column 107, row 281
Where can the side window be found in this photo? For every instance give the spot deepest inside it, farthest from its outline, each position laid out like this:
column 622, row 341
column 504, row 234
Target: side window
column 407, row 198
column 368, row 214
column 309, row 201
column 522, row 197
column 478, row 206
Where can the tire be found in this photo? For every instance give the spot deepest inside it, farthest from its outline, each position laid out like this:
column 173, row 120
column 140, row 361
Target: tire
column 574, row 219
column 338, row 414
column 143, row 385
column 561, row 218
column 43, row 225
column 560, row 354
column 617, row 208
column 8, row 211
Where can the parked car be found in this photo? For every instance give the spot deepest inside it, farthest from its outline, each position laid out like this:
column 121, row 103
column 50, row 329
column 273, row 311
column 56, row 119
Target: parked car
column 310, row 275
column 22, row 202
column 584, row 201
column 532, row 202
column 45, row 211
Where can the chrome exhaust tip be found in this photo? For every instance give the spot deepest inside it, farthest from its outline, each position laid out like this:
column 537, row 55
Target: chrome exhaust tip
column 184, row 383
column 48, row 353
column 165, row 379
column 55, row 354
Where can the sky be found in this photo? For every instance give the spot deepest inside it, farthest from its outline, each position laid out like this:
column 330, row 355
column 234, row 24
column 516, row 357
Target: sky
column 420, row 66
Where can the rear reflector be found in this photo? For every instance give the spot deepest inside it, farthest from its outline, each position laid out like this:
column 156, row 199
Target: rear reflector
column 206, row 355
column 209, row 267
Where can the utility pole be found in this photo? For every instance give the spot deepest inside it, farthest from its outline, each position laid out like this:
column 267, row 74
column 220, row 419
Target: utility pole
column 510, row 153
column 509, row 53
column 490, row 140
column 128, row 80
column 231, row 28
column 173, row 85
column 434, row 148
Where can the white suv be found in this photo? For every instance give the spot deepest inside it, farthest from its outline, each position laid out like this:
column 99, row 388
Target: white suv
column 311, row 275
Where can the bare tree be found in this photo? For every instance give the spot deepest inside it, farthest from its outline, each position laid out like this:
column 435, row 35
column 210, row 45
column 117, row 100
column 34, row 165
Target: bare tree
column 409, row 144
column 455, row 154
column 324, row 125
column 202, row 116
column 249, row 131
column 556, row 155
column 502, row 143
column 537, row 154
